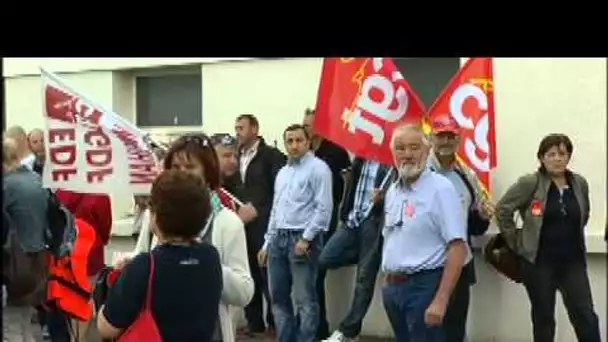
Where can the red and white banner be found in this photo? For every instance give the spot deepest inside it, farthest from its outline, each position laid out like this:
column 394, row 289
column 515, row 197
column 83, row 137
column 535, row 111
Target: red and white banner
column 469, row 98
column 90, row 149
column 361, row 101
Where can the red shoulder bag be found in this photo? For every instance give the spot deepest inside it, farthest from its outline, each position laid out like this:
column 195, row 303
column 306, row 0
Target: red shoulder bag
column 144, row 327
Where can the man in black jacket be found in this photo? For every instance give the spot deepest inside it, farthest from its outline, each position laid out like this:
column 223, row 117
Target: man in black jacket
column 338, row 161
column 258, row 167
column 358, row 241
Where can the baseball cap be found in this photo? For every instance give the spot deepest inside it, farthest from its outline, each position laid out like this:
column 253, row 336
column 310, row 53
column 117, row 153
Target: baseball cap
column 444, row 123
column 223, row 139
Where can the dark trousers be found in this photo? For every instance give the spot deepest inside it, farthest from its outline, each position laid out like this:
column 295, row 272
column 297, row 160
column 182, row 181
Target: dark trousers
column 323, row 330
column 57, row 325
column 542, row 281
column 361, row 246
column 455, row 320
column 405, row 303
column 254, row 311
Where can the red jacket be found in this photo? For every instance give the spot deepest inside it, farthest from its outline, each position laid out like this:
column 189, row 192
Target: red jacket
column 97, row 211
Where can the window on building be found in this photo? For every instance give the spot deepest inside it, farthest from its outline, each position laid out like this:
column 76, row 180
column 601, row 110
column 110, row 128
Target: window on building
column 428, row 76
column 169, row 99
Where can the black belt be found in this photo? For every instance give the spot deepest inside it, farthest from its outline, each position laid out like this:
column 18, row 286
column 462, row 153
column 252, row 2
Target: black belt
column 402, row 277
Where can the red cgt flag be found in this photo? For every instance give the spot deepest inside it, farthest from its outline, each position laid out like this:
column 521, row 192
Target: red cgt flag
column 469, row 99
column 361, row 101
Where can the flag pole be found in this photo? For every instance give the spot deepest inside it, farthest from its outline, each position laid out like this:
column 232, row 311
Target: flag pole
column 382, row 190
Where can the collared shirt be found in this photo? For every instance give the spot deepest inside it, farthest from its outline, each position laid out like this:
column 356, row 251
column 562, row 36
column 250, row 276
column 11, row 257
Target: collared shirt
column 303, row 198
column 457, row 181
column 246, row 157
column 420, row 221
column 28, row 161
column 363, row 193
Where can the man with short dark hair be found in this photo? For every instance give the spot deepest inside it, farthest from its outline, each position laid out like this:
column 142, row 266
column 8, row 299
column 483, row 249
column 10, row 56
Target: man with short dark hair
column 259, row 164
column 301, row 211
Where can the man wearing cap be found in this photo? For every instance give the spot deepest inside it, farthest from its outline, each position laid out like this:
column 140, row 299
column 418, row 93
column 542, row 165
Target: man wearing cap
column 232, row 187
column 425, row 245
column 477, row 208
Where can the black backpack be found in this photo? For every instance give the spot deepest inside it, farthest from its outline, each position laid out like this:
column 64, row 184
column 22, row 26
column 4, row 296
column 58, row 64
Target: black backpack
column 61, row 231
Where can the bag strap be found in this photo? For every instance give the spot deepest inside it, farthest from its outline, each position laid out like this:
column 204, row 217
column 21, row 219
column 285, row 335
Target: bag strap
column 148, row 304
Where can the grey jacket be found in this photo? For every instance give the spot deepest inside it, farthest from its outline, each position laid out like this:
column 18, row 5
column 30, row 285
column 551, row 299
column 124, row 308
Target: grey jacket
column 519, row 197
column 25, row 204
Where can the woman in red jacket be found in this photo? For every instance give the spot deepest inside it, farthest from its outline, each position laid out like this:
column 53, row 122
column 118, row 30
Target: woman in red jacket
column 97, row 211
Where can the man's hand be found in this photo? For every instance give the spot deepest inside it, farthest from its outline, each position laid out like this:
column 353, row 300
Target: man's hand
column 433, row 316
column 487, row 207
column 247, row 213
column 262, row 257
column 302, row 247
column 376, row 195
column 122, row 262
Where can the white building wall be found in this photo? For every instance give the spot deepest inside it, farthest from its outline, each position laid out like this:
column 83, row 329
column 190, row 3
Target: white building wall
column 533, row 97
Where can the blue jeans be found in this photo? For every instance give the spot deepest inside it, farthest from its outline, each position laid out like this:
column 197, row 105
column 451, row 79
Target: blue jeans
column 405, row 304
column 287, row 270
column 361, row 246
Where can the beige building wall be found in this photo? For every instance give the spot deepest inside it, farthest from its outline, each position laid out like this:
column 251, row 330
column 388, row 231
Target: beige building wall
column 533, row 97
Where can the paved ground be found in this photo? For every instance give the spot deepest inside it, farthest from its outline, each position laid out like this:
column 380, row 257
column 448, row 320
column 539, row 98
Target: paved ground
column 363, row 339
column 93, row 337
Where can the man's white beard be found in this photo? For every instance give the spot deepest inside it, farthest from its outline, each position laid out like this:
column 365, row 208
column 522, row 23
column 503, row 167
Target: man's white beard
column 409, row 172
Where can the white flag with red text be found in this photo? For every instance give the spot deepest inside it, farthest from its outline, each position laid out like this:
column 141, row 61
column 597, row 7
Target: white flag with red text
column 90, row 149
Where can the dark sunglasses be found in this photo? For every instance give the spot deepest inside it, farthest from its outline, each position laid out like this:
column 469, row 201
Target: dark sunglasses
column 223, row 139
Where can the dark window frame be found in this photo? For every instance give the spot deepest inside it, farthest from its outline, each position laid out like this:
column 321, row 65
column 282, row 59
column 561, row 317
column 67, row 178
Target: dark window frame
column 417, row 71
column 162, row 90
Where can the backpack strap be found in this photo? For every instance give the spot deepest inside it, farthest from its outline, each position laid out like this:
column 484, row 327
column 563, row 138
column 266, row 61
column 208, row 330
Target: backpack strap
column 148, row 303
column 468, row 184
column 207, row 233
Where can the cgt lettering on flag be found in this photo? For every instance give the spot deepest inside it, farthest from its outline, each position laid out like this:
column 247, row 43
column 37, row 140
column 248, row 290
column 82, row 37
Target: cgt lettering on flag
column 469, row 99
column 360, row 103
column 375, row 97
column 469, row 106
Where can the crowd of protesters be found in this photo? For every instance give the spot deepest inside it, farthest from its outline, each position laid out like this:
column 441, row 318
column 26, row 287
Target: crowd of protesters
column 233, row 223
